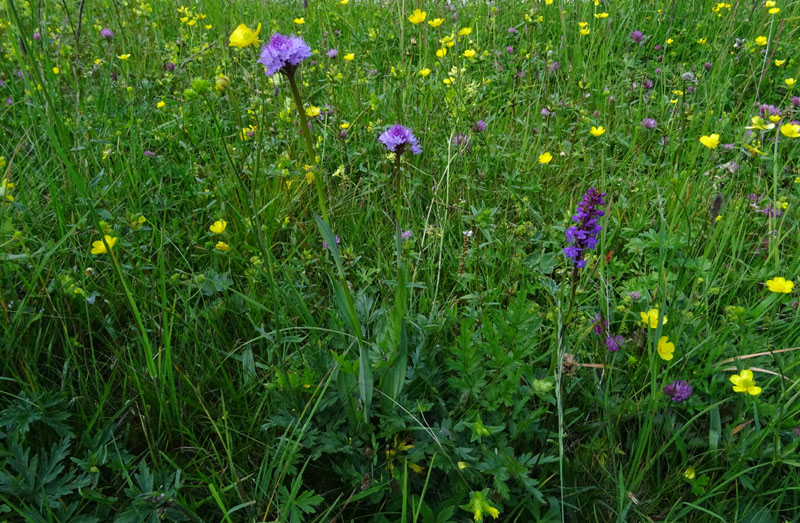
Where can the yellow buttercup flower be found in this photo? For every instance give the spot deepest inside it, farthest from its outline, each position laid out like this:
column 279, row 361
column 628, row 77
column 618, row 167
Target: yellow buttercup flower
column 779, row 63
column 790, row 130
column 56, row 70
column 243, row 36
column 344, row 2
column 417, row 17
column 350, row 57
column 545, row 158
column 5, row 187
column 597, row 131
column 469, row 53
column 222, row 246
column 161, row 104
column 774, row 10
column 665, row 348
column 780, row 284
column 689, row 473
column 744, row 382
column 123, row 56
column 441, row 52
column 650, row 318
column 584, row 31
column 98, row 247
column 601, row 15
column 436, row 22
column 710, row 141
column 761, row 41
column 464, row 31
column 702, row 41
column 218, row 227
column 299, row 21
column 789, row 81
column 769, row 3
column 312, row 111
column 424, row 72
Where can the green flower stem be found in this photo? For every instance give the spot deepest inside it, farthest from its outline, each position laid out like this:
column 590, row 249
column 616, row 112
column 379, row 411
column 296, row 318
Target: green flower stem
column 298, row 102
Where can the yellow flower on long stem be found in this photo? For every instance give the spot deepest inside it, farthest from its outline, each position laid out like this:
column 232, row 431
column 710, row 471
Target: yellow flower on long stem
column 417, row 17
column 243, row 36
column 790, row 130
column 545, row 158
column 665, row 348
column 744, row 382
column 780, row 284
column 597, row 131
column 218, row 227
column 98, row 247
column 710, row 141
column 436, row 22
column 222, row 246
column 650, row 318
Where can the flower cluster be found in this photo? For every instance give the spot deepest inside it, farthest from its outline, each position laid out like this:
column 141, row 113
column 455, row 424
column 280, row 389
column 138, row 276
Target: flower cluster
column 397, row 137
column 283, row 53
column 583, row 237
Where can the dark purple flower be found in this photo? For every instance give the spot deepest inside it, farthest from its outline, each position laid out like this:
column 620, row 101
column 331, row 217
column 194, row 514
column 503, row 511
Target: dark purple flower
column 479, row 126
column 325, row 244
column 796, row 101
column 545, row 111
column 283, row 53
column 509, row 49
column 690, row 89
column 647, row 83
column 657, row 47
column 553, row 67
column 36, row 36
column 397, row 137
column 583, row 237
column 170, row 66
column 149, row 154
column 678, row 390
column 637, row 36
column 658, row 70
column 333, row 53
column 649, row 123
column 107, row 33
column 461, row 141
column 768, row 110
column 707, row 65
column 405, row 235
column 613, row 343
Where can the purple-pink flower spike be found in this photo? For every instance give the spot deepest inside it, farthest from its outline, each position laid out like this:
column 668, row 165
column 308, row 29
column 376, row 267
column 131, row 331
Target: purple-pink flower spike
column 583, row 237
column 283, row 53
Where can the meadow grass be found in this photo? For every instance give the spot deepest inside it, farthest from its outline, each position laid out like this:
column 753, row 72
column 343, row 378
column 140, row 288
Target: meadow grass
column 218, row 307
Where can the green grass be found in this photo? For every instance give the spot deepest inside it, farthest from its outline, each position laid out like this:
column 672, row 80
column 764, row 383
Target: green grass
column 439, row 378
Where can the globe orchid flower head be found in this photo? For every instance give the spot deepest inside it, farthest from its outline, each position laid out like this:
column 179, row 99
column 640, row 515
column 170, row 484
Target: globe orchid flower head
column 397, row 137
column 283, row 54
column 243, row 36
column 678, row 390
